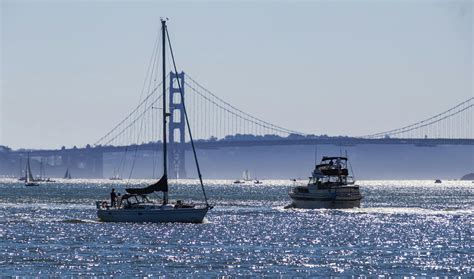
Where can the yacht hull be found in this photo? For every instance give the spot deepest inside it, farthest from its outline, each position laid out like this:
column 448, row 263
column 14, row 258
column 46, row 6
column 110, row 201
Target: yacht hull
column 330, row 204
column 179, row 215
column 347, row 197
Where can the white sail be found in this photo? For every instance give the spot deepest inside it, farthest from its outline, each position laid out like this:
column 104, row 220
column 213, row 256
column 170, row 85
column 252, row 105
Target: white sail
column 26, row 173
column 42, row 172
column 29, row 175
column 246, row 175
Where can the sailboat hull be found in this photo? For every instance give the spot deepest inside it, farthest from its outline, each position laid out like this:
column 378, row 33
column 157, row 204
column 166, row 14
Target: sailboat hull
column 157, row 215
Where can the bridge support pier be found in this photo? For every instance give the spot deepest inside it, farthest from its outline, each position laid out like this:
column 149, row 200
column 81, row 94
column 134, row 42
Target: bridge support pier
column 177, row 128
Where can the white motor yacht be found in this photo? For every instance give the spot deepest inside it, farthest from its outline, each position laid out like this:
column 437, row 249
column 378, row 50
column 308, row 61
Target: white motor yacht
column 330, row 186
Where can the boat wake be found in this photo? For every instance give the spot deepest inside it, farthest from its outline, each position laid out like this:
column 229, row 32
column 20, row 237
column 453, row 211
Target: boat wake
column 81, row 221
column 410, row 210
column 384, row 210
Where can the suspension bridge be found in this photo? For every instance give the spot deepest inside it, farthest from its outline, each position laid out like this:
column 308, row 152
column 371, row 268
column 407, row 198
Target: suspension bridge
column 213, row 119
column 216, row 123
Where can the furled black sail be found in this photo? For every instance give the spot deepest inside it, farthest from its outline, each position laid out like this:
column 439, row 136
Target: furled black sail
column 161, row 185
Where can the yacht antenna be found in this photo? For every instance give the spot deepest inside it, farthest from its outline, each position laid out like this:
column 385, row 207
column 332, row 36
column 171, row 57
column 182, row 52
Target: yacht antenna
column 316, row 153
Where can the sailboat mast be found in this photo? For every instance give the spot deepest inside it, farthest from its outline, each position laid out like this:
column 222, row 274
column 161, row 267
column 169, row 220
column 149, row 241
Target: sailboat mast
column 26, row 168
column 29, row 175
column 163, row 39
column 165, row 114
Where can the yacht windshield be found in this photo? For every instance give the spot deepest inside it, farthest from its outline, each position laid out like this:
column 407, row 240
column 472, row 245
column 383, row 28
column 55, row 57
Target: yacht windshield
column 130, row 200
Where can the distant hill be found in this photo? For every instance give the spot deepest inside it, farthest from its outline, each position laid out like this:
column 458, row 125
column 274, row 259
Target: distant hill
column 469, row 176
column 4, row 148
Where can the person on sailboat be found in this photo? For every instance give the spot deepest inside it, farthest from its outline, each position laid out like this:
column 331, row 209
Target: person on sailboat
column 113, row 198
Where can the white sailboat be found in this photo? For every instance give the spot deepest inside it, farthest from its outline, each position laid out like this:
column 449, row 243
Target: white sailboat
column 29, row 180
column 136, row 206
column 42, row 176
column 245, row 178
column 246, row 175
column 255, row 180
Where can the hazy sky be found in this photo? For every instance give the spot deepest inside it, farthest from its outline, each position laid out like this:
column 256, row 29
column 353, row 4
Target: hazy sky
column 70, row 71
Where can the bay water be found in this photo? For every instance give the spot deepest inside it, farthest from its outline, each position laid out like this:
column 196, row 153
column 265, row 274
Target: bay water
column 403, row 228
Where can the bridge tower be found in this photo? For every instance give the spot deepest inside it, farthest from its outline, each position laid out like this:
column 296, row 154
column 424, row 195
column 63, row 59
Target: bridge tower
column 176, row 127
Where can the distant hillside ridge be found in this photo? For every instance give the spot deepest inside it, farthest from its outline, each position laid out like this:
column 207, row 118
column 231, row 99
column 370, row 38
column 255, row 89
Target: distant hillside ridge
column 469, row 176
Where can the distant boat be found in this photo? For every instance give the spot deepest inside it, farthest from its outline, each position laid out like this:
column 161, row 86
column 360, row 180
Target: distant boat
column 42, row 176
column 115, row 176
column 29, row 180
column 22, row 176
column 246, row 176
column 438, row 181
column 255, row 180
column 67, row 175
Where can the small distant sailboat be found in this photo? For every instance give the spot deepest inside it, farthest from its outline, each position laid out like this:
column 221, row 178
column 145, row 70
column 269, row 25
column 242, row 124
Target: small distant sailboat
column 29, row 180
column 42, row 176
column 256, row 181
column 67, row 175
column 245, row 178
column 22, row 176
column 246, row 175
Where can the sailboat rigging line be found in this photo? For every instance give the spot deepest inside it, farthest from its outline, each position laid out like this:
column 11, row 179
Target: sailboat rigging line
column 145, row 101
column 187, row 120
column 155, row 59
column 152, row 58
column 134, row 121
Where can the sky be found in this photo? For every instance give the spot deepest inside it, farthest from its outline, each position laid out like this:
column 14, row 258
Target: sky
column 71, row 70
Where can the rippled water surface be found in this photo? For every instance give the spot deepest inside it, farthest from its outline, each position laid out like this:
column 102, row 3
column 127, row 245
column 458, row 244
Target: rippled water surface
column 402, row 228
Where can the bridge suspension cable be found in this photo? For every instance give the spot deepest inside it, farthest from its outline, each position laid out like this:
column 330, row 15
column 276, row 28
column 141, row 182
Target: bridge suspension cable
column 456, row 122
column 223, row 105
